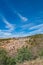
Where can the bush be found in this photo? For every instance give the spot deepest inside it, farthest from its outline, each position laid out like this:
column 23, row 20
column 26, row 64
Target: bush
column 2, row 57
column 6, row 60
column 41, row 53
column 10, row 61
column 23, row 54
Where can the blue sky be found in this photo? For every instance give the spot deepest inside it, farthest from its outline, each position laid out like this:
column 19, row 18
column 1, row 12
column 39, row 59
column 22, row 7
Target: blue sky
column 21, row 18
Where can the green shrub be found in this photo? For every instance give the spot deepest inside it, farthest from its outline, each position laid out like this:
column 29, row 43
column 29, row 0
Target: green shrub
column 10, row 61
column 41, row 53
column 6, row 60
column 23, row 54
column 2, row 57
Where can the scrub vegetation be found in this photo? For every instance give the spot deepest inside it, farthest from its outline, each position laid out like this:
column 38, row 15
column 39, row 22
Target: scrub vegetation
column 27, row 52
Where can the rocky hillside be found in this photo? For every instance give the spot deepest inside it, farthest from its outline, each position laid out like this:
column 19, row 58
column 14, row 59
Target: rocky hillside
column 24, row 46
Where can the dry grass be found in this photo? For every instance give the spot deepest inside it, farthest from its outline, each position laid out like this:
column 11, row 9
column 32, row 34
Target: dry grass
column 33, row 62
column 35, row 43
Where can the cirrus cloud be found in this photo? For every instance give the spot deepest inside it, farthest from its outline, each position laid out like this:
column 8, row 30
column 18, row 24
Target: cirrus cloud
column 23, row 18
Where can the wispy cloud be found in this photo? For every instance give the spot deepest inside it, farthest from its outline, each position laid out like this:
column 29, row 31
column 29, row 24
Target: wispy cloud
column 23, row 18
column 36, row 27
column 27, row 26
column 38, row 31
column 4, row 34
column 31, row 27
column 8, row 25
column 9, row 28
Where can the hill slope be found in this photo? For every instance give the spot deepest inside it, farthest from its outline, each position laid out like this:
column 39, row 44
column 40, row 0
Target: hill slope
column 33, row 44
